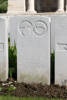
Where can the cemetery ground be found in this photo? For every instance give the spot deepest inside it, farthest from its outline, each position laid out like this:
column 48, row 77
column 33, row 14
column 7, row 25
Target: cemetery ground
column 21, row 90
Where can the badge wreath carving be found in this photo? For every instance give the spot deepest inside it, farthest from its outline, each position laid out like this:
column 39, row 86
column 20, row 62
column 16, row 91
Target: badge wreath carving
column 39, row 28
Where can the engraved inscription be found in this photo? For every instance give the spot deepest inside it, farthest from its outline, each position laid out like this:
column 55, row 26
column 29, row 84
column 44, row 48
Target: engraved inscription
column 62, row 46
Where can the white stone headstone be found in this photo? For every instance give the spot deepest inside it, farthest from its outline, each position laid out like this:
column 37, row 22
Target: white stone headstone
column 3, row 50
column 61, row 50
column 13, row 32
column 33, row 48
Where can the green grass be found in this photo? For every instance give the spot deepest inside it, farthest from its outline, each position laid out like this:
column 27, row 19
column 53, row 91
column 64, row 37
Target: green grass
column 15, row 98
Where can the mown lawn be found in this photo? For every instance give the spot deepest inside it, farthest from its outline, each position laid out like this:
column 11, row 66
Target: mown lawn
column 15, row 98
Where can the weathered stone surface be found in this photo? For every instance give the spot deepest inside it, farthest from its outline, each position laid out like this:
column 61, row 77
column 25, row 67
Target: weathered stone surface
column 31, row 6
column 61, row 50
column 33, row 48
column 12, row 32
column 3, row 50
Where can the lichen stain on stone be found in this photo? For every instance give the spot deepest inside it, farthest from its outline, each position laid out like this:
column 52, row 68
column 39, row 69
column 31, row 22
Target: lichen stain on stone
column 43, row 79
column 2, row 76
column 3, row 72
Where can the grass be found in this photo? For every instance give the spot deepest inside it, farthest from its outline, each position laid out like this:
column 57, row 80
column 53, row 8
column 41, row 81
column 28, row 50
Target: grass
column 15, row 98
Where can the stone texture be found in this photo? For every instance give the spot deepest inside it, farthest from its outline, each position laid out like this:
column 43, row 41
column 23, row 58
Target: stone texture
column 61, row 50
column 33, row 48
column 13, row 32
column 3, row 50
column 31, row 6
column 16, row 6
column 61, row 5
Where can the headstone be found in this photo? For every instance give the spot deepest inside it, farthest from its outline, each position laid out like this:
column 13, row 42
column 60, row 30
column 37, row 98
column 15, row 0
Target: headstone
column 16, row 6
column 3, row 50
column 13, row 32
column 61, row 50
column 33, row 48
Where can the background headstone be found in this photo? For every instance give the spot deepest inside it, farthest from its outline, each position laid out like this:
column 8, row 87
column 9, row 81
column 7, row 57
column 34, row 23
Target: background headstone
column 61, row 50
column 3, row 50
column 33, row 48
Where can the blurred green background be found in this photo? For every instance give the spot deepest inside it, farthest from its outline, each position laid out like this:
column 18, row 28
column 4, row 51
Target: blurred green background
column 3, row 6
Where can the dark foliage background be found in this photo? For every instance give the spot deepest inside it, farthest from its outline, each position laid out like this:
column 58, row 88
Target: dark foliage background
column 12, row 61
column 3, row 6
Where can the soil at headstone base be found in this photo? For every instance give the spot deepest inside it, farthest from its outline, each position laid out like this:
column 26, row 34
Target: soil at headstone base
column 32, row 90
